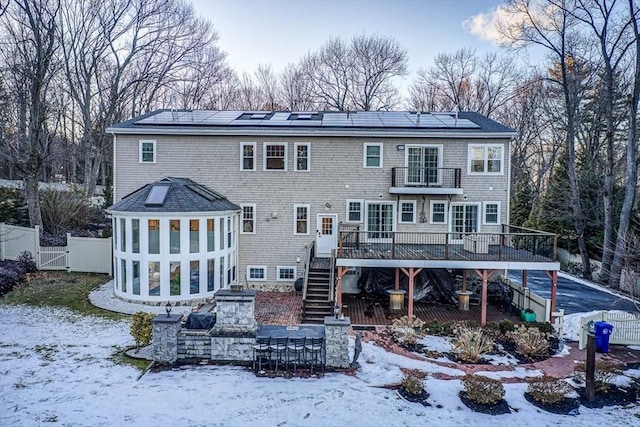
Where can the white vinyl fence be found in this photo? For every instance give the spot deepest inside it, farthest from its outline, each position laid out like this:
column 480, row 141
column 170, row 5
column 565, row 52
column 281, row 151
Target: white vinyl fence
column 82, row 254
column 524, row 299
column 626, row 327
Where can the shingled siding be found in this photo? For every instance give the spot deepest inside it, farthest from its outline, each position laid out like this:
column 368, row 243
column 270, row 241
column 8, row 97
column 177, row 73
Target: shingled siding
column 337, row 174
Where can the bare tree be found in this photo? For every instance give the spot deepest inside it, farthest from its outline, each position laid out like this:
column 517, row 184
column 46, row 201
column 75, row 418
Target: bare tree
column 269, row 87
column 294, row 87
column 31, row 27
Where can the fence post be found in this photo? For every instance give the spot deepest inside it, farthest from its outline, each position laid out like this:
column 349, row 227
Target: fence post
column 67, row 257
column 2, row 237
column 36, row 249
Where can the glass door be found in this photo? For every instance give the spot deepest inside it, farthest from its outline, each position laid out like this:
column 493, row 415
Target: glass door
column 422, row 165
column 464, row 219
column 379, row 220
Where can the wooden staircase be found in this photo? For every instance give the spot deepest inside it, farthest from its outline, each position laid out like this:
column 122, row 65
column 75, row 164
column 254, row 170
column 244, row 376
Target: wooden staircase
column 317, row 303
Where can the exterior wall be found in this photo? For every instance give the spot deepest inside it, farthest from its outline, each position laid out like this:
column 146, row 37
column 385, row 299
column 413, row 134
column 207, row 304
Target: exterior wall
column 336, row 175
column 194, row 344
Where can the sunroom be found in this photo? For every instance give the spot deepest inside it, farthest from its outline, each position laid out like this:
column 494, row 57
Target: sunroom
column 173, row 241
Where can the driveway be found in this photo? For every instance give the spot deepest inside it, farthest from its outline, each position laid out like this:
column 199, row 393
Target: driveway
column 575, row 295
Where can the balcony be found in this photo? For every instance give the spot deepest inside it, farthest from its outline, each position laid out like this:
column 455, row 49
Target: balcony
column 414, row 180
column 512, row 245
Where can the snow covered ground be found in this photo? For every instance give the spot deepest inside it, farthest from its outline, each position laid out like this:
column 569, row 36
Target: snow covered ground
column 57, row 367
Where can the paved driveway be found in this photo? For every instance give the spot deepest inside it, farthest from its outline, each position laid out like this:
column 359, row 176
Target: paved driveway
column 575, row 295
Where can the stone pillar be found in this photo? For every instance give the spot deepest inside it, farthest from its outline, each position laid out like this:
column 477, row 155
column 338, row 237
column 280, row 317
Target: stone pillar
column 234, row 334
column 337, row 341
column 165, row 337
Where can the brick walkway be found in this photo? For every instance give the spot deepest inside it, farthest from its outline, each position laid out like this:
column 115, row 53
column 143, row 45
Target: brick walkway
column 285, row 308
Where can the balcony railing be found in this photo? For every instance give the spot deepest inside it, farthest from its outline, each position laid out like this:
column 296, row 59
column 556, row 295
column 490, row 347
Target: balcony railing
column 512, row 244
column 426, row 177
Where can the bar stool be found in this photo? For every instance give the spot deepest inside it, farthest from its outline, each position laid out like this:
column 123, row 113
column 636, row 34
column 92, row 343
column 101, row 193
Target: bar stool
column 314, row 350
column 295, row 352
column 261, row 352
column 278, row 349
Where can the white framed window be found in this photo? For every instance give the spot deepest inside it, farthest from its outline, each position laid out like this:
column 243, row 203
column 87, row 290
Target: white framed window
column 248, row 219
column 491, row 213
column 486, row 158
column 438, row 210
column 247, row 156
column 354, row 210
column 302, row 161
column 372, row 155
column 147, row 151
column 301, row 219
column 257, row 272
column 275, row 156
column 286, row 274
column 407, row 212
column 380, row 220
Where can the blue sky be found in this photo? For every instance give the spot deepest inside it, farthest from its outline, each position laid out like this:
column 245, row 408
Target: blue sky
column 278, row 32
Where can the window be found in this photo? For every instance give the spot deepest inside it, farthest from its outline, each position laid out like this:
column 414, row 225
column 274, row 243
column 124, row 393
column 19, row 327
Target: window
column 372, row 155
column 147, row 151
column 154, row 236
column 211, row 278
column 275, row 156
column 194, row 277
column 123, row 234
column 154, row 278
column 286, row 274
column 354, row 210
column 491, row 213
column 302, row 157
column 248, row 219
column 438, row 212
column 174, row 236
column 257, row 272
column 423, row 163
column 135, row 236
column 485, row 159
column 123, row 275
column 211, row 233
column 248, row 156
column 136, row 277
column 408, row 212
column 379, row 220
column 301, row 225
column 194, row 236
column 174, row 278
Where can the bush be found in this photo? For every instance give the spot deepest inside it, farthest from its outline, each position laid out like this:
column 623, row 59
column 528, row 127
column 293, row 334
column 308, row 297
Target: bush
column 483, row 390
column 141, row 328
column 506, row 326
column 604, row 375
column 531, row 343
column 545, row 327
column 27, row 262
column 548, row 390
column 439, row 329
column 413, row 381
column 63, row 211
column 470, row 343
column 13, row 208
column 405, row 331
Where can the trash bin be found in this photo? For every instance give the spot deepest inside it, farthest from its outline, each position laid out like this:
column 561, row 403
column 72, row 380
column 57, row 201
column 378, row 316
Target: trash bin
column 603, row 331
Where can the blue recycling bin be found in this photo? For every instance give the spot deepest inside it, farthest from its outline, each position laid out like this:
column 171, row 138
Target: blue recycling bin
column 603, row 331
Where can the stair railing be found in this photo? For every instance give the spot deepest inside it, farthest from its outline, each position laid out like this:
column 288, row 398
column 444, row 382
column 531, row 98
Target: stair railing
column 332, row 275
column 311, row 251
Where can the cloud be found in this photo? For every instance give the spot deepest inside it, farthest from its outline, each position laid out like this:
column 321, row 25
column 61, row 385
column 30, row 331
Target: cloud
column 487, row 26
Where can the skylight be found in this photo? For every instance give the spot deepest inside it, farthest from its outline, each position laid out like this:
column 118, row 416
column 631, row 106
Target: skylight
column 157, row 195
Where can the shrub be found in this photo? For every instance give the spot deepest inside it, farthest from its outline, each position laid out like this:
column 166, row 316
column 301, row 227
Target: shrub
column 604, row 375
column 405, row 331
column 531, row 343
column 13, row 208
column 483, row 390
column 545, row 327
column 548, row 390
column 65, row 210
column 413, row 381
column 27, row 262
column 506, row 326
column 470, row 343
column 141, row 328
column 438, row 328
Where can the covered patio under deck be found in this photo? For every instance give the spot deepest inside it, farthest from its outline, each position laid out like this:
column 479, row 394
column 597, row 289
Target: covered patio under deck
column 483, row 253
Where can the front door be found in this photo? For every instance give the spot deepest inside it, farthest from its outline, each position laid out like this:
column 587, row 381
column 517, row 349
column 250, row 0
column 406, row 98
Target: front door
column 464, row 219
column 327, row 234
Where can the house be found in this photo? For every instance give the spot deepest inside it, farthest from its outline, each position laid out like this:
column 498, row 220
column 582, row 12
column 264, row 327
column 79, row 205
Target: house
column 405, row 190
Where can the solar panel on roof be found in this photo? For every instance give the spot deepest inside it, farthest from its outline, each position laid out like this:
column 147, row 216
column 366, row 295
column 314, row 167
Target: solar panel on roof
column 157, row 195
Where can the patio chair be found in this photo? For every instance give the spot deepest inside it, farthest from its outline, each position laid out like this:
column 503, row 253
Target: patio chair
column 314, row 351
column 295, row 352
column 261, row 352
column 278, row 349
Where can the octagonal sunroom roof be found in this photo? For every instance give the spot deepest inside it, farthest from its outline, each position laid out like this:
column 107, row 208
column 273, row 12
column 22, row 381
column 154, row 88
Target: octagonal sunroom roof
column 173, row 194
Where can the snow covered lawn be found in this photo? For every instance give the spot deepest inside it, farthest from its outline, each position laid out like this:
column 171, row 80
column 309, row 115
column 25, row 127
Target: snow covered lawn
column 57, row 367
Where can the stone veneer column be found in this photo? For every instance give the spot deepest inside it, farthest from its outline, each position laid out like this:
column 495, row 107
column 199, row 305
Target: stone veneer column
column 337, row 341
column 234, row 334
column 165, row 337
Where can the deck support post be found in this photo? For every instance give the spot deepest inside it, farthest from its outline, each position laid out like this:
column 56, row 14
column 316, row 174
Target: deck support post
column 464, row 280
column 524, row 279
column 341, row 272
column 484, row 275
column 554, row 291
column 397, row 279
column 412, row 273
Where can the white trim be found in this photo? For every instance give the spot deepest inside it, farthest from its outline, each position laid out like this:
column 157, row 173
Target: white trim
column 414, row 206
column 155, row 150
column 255, row 155
column 295, row 218
column 256, row 267
column 279, row 271
column 485, row 148
column 295, row 156
column 361, row 202
column 248, row 205
column 446, row 211
column 484, row 213
column 364, row 154
column 264, row 155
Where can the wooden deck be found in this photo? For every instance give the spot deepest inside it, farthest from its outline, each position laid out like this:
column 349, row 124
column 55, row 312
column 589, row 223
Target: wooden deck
column 363, row 311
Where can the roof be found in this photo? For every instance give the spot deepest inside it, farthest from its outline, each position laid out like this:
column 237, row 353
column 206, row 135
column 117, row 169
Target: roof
column 374, row 123
column 173, row 194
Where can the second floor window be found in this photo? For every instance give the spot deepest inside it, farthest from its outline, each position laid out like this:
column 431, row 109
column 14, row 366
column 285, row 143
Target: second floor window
column 302, row 219
column 485, row 158
column 275, row 156
column 248, row 219
column 302, row 157
column 372, row 155
column 248, row 156
column 147, row 152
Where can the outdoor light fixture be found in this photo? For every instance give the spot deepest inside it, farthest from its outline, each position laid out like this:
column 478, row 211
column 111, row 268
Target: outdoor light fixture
column 167, row 308
column 336, row 310
column 396, row 299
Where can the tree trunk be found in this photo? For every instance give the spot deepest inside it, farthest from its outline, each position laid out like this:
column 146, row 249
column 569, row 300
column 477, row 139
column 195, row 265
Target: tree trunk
column 32, row 199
